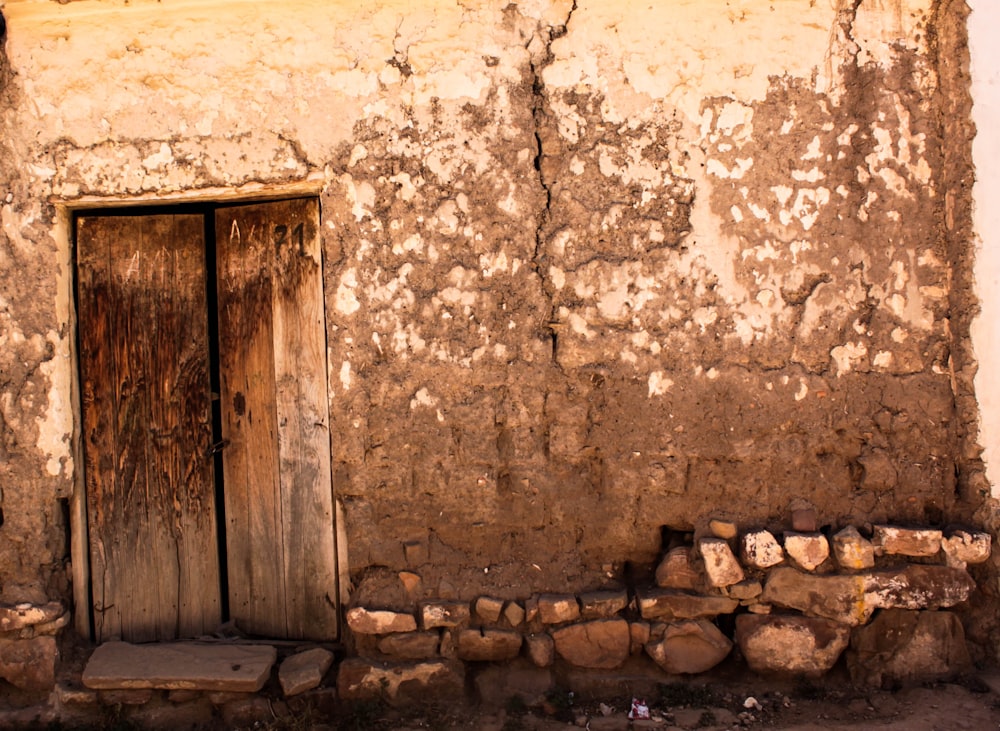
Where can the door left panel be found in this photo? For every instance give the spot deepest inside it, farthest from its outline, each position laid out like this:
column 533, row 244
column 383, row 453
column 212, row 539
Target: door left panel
column 144, row 369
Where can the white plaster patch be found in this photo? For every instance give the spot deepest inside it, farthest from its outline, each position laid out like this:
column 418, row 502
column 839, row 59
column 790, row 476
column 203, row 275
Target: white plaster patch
column 846, row 356
column 659, row 384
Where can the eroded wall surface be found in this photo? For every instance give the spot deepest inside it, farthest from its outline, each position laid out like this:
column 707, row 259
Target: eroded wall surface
column 592, row 270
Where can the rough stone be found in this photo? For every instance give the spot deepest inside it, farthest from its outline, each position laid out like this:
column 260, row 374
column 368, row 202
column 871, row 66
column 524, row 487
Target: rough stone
column 893, row 540
column 852, row 550
column 602, row 604
column 558, row 608
column 444, row 614
column 760, row 549
column 400, row 683
column 179, row 665
column 721, row 565
column 29, row 664
column 852, row 599
column 676, row 571
column 673, row 604
column 488, row 645
column 411, row 583
column 246, row 712
column 18, row 616
column 489, row 609
column 541, row 649
column 379, row 621
column 808, row 550
column 410, row 645
column 901, row 646
column 304, row 670
column 724, row 529
column 514, row 614
column 125, row 697
column 790, row 645
column 690, row 647
column 962, row 548
column 746, row 589
column 603, row 643
column 638, row 636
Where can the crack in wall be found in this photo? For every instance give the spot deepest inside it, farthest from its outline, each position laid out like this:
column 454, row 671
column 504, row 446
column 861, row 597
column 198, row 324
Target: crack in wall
column 538, row 59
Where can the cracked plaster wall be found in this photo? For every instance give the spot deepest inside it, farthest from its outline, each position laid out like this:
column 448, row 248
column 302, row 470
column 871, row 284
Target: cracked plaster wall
column 591, row 269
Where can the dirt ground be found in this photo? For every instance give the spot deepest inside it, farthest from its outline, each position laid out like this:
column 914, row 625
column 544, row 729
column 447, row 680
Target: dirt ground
column 972, row 704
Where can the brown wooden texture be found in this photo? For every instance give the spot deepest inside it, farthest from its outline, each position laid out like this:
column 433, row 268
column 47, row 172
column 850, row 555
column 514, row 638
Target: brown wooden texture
column 147, row 426
column 279, row 507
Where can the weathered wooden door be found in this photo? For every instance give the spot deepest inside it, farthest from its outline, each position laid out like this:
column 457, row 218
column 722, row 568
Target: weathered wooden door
column 147, row 425
column 145, row 368
column 279, row 505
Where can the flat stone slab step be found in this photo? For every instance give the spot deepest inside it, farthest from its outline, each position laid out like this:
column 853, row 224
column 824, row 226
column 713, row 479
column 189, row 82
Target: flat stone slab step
column 180, row 666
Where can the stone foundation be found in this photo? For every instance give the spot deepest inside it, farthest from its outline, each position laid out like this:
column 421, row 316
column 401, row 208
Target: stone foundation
column 791, row 604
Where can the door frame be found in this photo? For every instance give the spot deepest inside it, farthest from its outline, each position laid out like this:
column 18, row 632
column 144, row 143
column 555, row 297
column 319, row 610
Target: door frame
column 62, row 233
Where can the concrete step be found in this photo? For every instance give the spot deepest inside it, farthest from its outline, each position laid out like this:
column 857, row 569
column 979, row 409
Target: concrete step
column 180, row 665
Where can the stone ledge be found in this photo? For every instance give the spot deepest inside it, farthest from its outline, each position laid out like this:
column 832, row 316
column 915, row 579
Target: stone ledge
column 181, row 665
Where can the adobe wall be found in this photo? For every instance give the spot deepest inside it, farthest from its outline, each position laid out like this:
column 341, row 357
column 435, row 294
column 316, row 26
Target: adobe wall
column 594, row 273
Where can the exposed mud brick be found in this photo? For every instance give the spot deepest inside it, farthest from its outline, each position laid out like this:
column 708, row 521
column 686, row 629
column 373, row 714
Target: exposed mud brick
column 962, row 547
column 410, row 645
column 603, row 643
column 724, row 529
column 558, row 608
column 690, row 647
column 804, row 520
column 677, row 571
column 18, row 616
column 880, row 473
column 497, row 684
column 761, row 550
column 514, row 614
column 541, row 649
column 379, row 621
column 790, row 645
column 721, row 565
column 304, row 670
column 671, row 604
column 602, row 604
column 893, row 540
column 639, row 633
column 852, row 550
column 400, row 683
column 746, row 589
column 444, row 614
column 488, row 609
column 488, row 645
column 807, row 550
column 29, row 664
column 852, row 599
column 901, row 646
column 415, row 553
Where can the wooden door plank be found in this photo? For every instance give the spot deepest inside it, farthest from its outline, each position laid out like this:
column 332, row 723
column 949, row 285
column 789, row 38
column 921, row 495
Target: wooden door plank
column 278, row 298
column 152, row 525
column 250, row 459
column 303, row 422
column 97, row 402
